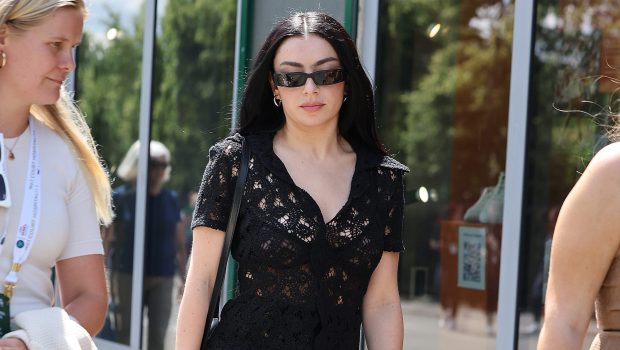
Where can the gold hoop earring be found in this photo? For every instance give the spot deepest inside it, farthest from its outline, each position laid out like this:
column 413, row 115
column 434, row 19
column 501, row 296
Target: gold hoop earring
column 3, row 59
column 277, row 101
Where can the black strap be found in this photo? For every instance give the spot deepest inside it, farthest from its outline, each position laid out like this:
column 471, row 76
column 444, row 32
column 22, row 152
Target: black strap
column 230, row 230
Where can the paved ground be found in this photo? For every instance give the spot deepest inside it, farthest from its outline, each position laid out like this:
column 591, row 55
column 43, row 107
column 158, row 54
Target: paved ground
column 422, row 331
column 470, row 331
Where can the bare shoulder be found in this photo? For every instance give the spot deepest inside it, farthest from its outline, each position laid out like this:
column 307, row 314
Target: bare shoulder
column 608, row 158
column 604, row 170
column 594, row 202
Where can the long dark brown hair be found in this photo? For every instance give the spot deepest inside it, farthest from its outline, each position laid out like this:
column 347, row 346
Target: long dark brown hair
column 356, row 122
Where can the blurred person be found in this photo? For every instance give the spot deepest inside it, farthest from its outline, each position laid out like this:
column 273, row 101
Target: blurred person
column 320, row 224
column 164, row 249
column 53, row 186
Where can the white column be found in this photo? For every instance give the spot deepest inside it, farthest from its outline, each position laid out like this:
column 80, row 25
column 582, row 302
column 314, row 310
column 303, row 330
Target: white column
column 515, row 164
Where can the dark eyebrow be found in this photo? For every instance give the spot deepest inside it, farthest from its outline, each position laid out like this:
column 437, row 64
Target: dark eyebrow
column 292, row 64
column 318, row 63
column 325, row 60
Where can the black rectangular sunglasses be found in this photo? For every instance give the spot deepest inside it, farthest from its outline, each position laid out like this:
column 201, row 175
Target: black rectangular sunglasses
column 321, row 77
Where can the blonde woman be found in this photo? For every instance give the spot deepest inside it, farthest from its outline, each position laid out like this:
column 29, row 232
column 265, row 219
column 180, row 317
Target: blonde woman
column 52, row 184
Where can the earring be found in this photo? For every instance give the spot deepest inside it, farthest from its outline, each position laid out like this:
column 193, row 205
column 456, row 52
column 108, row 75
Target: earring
column 277, row 101
column 345, row 98
column 3, row 59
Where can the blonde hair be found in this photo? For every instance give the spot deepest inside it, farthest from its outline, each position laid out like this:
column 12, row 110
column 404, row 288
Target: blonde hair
column 64, row 117
column 128, row 169
column 25, row 14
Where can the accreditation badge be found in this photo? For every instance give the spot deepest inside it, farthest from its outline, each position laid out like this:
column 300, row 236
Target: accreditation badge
column 5, row 315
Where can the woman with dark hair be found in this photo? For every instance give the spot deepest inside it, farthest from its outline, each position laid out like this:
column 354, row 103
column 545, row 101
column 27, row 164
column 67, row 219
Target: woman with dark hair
column 319, row 230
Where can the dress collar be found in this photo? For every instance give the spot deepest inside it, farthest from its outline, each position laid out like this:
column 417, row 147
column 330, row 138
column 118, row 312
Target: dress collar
column 261, row 145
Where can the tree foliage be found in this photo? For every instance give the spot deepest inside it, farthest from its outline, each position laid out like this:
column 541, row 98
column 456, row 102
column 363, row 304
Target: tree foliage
column 193, row 107
column 427, row 80
column 108, row 88
column 192, row 84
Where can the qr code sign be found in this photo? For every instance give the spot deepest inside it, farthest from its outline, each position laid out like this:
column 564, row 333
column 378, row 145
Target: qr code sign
column 471, row 262
column 472, row 257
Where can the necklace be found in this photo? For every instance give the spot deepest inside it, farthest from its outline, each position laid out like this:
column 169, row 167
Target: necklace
column 10, row 149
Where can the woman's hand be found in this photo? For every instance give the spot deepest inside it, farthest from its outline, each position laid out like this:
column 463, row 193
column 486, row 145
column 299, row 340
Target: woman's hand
column 12, row 344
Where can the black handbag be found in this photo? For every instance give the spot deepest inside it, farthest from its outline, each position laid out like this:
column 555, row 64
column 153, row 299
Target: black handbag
column 212, row 320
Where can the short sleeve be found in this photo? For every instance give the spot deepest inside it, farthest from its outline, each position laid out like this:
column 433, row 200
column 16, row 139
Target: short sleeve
column 84, row 235
column 217, row 186
column 393, row 199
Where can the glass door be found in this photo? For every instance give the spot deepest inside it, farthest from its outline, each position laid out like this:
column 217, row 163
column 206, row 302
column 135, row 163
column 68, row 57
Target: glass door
column 181, row 112
column 191, row 110
column 573, row 95
column 442, row 94
column 108, row 92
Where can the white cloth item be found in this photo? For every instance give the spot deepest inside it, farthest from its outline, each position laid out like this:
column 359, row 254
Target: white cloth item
column 50, row 328
column 68, row 227
column 473, row 213
column 493, row 210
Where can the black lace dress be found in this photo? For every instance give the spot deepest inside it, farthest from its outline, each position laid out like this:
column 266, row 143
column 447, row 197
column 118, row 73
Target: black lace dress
column 301, row 280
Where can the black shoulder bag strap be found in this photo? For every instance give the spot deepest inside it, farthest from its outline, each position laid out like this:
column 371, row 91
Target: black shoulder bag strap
column 230, row 230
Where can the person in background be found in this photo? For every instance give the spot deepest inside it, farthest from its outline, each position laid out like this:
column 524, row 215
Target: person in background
column 164, row 249
column 319, row 230
column 584, row 271
column 186, row 218
column 52, row 184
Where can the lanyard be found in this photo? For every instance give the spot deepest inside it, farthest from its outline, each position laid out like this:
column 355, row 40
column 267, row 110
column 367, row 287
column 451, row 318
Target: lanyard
column 30, row 214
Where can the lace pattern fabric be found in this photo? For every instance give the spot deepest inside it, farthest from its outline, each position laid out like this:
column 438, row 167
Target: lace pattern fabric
column 299, row 277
